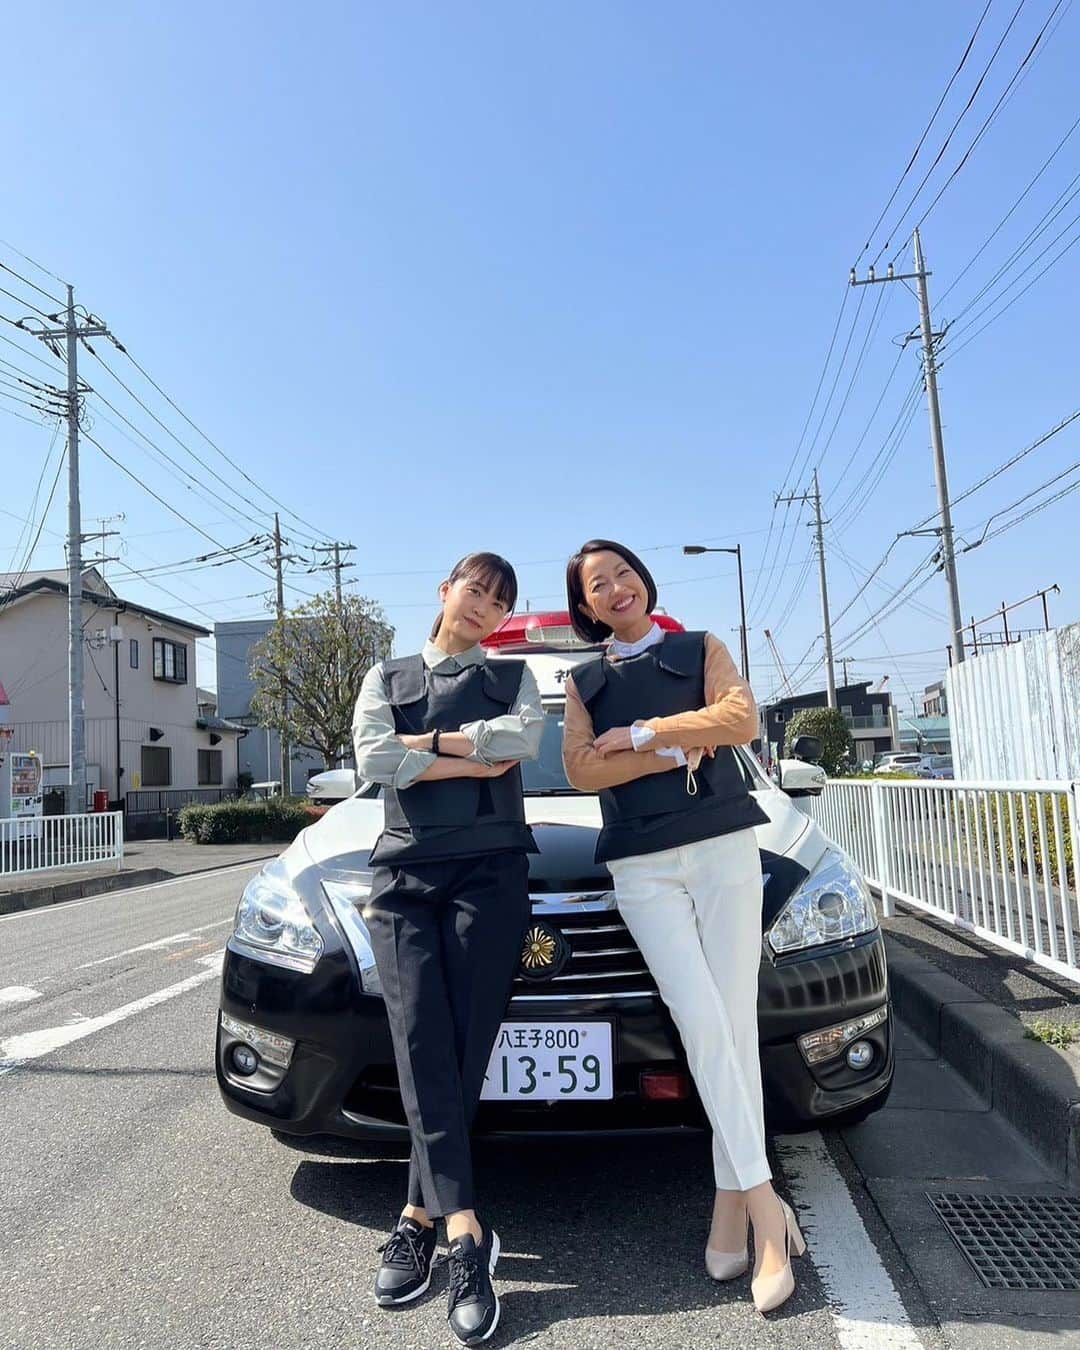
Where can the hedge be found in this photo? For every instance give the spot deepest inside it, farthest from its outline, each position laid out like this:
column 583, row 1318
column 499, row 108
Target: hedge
column 236, row 822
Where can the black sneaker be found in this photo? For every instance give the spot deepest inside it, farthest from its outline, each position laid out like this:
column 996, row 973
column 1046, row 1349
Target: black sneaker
column 473, row 1311
column 405, row 1272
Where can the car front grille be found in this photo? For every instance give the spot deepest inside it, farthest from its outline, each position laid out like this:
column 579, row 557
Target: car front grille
column 594, row 956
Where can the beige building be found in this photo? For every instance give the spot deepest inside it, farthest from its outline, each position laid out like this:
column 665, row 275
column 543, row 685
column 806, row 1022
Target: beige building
column 145, row 727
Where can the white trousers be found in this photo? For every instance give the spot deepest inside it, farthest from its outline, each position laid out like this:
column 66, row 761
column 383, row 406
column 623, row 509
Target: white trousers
column 695, row 912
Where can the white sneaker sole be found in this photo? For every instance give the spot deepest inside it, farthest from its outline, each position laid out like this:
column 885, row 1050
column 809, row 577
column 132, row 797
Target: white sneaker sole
column 495, row 1251
column 409, row 1298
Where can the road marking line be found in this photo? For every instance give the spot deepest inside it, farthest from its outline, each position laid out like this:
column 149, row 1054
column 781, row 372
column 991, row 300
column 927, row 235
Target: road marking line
column 867, row 1312
column 157, row 943
column 65, row 905
column 18, row 993
column 17, row 1050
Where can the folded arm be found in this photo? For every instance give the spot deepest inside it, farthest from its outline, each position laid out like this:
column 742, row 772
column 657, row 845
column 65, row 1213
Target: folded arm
column 381, row 755
column 729, row 718
column 586, row 768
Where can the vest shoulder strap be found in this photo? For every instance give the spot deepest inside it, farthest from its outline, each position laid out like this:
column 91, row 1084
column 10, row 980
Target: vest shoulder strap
column 404, row 679
column 502, row 680
column 589, row 679
column 682, row 653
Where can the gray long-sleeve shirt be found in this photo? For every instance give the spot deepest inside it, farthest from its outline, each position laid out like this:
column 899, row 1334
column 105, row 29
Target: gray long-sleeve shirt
column 380, row 755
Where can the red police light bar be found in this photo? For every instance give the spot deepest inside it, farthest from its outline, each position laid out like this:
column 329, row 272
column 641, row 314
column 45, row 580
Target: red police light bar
column 551, row 628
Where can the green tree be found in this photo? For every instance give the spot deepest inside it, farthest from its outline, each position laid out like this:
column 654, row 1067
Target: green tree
column 308, row 669
column 828, row 725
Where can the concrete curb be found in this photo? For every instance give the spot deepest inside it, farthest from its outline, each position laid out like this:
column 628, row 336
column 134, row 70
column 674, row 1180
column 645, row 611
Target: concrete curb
column 1035, row 1087
column 41, row 897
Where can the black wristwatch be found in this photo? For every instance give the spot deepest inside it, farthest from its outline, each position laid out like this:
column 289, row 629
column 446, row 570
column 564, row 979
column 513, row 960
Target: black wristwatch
column 435, row 741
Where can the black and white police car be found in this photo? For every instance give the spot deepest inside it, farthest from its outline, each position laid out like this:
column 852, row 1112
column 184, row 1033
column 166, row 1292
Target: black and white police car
column 587, row 1046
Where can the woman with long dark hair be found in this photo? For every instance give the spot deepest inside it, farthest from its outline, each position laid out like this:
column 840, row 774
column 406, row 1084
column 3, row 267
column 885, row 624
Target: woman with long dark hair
column 444, row 731
column 650, row 725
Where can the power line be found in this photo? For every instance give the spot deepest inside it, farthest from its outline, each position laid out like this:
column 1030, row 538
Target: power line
column 953, row 352
column 180, row 515
column 33, row 285
column 951, row 133
column 1019, row 502
column 1009, row 463
column 1005, row 218
column 183, row 445
column 853, row 565
column 802, row 437
column 317, row 533
column 26, row 258
column 926, row 132
column 993, row 113
column 37, row 535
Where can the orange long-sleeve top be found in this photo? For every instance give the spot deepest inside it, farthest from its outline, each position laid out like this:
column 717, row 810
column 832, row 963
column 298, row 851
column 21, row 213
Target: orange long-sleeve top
column 729, row 718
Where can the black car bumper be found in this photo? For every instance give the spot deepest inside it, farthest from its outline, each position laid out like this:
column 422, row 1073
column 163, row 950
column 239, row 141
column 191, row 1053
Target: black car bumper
column 341, row 1078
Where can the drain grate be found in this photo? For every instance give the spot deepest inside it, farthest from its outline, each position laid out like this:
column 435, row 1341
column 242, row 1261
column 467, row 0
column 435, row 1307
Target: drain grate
column 1015, row 1241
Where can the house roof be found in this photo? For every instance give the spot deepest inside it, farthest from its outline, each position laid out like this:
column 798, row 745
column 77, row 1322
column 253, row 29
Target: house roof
column 213, row 723
column 55, row 583
column 92, row 579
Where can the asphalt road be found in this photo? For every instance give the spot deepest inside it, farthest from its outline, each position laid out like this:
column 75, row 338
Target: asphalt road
column 136, row 1212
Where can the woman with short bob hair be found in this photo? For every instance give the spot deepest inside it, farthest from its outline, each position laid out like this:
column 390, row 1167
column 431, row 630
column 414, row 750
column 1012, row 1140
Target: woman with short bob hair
column 444, row 731
column 650, row 725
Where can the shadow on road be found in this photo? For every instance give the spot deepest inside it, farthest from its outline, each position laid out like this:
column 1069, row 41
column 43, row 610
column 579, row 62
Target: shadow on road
column 597, row 1228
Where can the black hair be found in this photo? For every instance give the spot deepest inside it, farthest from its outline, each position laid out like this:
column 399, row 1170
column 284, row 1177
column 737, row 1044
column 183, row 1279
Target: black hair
column 589, row 629
column 492, row 572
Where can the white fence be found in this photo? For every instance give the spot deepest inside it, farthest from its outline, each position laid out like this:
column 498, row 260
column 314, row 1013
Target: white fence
column 999, row 859
column 1040, row 674
column 33, row 844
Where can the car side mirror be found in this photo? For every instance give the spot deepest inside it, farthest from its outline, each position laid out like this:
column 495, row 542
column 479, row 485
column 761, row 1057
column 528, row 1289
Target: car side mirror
column 808, row 748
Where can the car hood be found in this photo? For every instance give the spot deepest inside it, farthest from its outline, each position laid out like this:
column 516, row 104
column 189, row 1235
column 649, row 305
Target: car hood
column 565, row 829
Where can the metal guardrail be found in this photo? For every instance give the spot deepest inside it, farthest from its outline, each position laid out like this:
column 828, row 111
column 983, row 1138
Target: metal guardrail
column 156, row 801
column 37, row 843
column 998, row 859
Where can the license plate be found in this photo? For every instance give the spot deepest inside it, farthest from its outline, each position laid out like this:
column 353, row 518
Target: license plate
column 550, row 1062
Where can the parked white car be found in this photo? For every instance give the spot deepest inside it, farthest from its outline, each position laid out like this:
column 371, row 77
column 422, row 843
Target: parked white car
column 900, row 763
column 303, row 1042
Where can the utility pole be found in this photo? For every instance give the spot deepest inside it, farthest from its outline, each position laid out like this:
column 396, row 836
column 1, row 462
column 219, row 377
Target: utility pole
column 819, row 532
column 283, row 740
column 929, row 337
column 71, row 332
column 337, row 566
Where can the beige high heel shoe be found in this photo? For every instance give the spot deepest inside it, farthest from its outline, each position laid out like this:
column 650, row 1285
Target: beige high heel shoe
column 728, row 1265
column 770, row 1291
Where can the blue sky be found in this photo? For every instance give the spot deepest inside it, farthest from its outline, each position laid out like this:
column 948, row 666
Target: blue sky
column 502, row 276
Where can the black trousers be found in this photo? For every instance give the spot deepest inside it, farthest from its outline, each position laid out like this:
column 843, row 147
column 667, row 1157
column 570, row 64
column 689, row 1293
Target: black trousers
column 447, row 938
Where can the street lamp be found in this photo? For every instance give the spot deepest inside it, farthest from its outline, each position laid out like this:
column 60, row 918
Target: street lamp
column 693, row 550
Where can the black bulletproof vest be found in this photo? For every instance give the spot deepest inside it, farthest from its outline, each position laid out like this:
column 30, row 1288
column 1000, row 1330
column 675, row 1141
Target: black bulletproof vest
column 659, row 811
column 425, row 700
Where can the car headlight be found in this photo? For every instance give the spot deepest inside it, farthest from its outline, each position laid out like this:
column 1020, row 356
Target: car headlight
column 833, row 903
column 273, row 925
column 347, row 899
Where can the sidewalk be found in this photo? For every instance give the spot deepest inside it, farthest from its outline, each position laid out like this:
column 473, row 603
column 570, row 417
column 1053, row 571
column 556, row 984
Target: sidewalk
column 974, row 1005
column 145, row 861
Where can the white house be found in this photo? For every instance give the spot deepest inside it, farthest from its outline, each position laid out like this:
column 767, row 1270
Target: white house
column 144, row 725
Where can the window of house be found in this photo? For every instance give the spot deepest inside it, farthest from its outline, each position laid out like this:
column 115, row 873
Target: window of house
column 156, row 766
column 210, row 767
column 170, row 661
column 133, row 653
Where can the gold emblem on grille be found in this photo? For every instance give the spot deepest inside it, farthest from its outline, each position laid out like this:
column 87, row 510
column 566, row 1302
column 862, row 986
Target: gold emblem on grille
column 539, row 949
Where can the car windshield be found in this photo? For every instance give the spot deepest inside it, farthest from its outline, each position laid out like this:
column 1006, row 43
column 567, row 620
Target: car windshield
column 544, row 777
